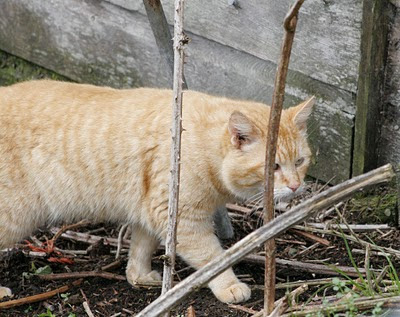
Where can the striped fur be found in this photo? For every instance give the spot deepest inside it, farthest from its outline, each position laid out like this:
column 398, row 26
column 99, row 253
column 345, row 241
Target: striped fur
column 71, row 151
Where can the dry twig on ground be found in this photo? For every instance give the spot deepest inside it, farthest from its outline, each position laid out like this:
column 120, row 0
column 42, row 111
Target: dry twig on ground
column 282, row 304
column 322, row 269
column 38, row 297
column 61, row 276
column 87, row 309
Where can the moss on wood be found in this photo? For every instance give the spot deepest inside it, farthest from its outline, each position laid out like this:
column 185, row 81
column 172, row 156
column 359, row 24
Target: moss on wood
column 14, row 69
column 370, row 85
column 378, row 206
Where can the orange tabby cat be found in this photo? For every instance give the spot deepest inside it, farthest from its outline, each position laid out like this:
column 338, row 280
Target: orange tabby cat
column 71, row 151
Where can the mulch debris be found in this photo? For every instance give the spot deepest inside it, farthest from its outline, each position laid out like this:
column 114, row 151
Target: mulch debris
column 19, row 267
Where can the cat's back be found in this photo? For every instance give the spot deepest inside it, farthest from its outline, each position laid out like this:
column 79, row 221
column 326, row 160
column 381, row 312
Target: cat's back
column 50, row 110
column 63, row 99
column 79, row 146
column 44, row 96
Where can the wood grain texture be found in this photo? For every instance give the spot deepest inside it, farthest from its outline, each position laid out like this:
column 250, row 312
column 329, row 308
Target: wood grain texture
column 101, row 43
column 162, row 35
column 327, row 41
column 389, row 141
column 370, row 85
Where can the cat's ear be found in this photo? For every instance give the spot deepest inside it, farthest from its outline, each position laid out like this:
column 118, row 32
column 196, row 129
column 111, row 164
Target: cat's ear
column 242, row 130
column 302, row 112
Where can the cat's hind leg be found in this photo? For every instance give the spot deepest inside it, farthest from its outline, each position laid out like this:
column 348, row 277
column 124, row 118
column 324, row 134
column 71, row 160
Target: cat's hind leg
column 143, row 244
column 17, row 220
column 198, row 245
column 20, row 215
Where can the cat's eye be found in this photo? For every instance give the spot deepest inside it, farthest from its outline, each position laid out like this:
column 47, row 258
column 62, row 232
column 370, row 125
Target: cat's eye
column 276, row 167
column 299, row 161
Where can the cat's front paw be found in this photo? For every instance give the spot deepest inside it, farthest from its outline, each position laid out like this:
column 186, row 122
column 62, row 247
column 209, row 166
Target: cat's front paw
column 236, row 293
column 150, row 278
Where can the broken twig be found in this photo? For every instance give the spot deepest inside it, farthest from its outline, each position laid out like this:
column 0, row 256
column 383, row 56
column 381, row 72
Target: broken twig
column 87, row 309
column 121, row 234
column 282, row 304
column 311, row 237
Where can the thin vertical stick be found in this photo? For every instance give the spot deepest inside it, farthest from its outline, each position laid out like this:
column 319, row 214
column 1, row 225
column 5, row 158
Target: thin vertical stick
column 170, row 244
column 272, row 138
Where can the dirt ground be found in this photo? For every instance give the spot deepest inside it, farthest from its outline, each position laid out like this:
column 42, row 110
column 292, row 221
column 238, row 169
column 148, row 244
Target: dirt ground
column 107, row 297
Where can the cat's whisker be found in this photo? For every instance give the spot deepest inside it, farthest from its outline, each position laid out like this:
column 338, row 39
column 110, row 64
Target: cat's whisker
column 258, row 203
column 252, row 198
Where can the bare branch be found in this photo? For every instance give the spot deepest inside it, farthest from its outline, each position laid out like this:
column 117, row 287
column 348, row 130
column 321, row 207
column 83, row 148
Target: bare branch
column 170, row 243
column 292, row 14
column 272, row 139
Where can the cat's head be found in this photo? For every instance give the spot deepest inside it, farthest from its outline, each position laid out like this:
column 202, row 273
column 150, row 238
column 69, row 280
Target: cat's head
column 243, row 166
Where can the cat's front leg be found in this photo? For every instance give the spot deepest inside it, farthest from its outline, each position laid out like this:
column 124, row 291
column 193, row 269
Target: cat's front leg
column 198, row 245
column 143, row 244
column 223, row 224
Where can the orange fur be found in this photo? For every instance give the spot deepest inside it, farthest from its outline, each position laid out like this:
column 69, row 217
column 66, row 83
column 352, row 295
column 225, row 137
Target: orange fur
column 71, row 151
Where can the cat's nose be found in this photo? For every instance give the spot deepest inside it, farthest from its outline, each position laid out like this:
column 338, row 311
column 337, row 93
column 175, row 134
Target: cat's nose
column 294, row 187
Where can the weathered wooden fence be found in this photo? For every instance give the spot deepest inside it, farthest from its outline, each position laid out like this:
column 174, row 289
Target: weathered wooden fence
column 389, row 136
column 339, row 56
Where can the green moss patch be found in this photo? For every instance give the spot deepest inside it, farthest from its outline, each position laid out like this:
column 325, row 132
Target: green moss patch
column 377, row 206
column 14, row 69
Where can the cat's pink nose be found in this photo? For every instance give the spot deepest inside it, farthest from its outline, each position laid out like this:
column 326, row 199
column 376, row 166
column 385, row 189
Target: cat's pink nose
column 294, row 187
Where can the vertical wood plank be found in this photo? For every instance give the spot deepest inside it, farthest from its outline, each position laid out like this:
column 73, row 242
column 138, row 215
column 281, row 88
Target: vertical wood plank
column 370, row 85
column 162, row 35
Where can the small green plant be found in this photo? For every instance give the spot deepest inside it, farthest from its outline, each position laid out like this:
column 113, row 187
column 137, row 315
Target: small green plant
column 48, row 313
column 348, row 290
column 37, row 271
column 377, row 311
column 43, row 270
column 29, row 309
column 65, row 296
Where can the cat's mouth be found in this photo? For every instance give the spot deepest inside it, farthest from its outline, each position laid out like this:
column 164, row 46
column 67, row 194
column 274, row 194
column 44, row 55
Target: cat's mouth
column 286, row 194
column 281, row 195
